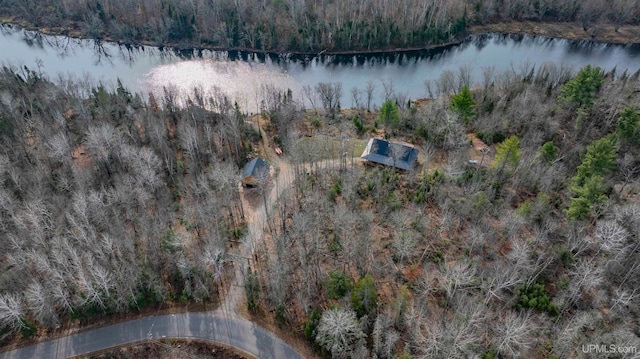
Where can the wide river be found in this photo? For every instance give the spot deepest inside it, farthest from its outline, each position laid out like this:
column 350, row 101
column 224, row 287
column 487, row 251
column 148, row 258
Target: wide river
column 243, row 76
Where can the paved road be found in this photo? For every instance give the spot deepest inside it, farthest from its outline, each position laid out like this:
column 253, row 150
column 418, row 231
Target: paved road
column 214, row 326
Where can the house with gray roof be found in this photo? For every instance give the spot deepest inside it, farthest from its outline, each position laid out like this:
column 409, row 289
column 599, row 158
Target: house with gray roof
column 255, row 172
column 391, row 154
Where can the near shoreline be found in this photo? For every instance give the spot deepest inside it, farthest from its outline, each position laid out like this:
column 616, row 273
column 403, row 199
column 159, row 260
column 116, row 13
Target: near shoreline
column 603, row 33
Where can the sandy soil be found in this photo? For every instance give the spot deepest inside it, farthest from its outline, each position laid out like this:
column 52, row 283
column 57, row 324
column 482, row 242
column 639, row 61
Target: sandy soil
column 480, row 152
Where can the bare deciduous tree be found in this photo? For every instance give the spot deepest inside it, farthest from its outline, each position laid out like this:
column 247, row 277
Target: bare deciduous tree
column 404, row 244
column 611, row 235
column 330, row 95
column 11, row 312
column 451, row 338
column 514, row 334
column 339, row 331
column 456, row 276
column 384, row 337
column 39, row 303
column 370, row 90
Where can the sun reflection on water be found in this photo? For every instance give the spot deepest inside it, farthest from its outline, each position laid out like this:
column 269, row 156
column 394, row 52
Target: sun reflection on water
column 242, row 82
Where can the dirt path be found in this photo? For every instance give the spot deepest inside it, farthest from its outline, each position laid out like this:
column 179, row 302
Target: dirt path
column 256, row 217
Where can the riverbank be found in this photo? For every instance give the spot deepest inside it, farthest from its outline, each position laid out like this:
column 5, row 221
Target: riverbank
column 72, row 29
column 604, row 33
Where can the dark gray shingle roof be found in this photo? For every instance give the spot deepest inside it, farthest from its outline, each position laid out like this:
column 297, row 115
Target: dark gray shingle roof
column 383, row 152
column 255, row 168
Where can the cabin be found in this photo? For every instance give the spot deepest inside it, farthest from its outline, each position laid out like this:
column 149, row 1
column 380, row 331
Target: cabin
column 255, row 172
column 391, row 154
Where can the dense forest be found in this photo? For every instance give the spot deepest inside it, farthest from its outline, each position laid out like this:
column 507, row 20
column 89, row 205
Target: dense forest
column 301, row 25
column 110, row 202
column 533, row 253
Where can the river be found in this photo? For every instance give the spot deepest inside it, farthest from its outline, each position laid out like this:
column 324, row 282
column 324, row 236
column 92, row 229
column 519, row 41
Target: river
column 243, row 76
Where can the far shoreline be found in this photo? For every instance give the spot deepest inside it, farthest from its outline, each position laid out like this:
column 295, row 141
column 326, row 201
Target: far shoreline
column 600, row 33
column 603, row 33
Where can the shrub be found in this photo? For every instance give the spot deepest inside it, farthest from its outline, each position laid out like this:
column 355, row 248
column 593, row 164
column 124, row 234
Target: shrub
column 536, row 297
column 422, row 132
column 491, row 354
column 360, row 129
column 549, row 152
column 316, row 122
column 252, row 290
column 404, row 355
column 335, row 245
column 311, row 325
column 364, row 297
column 28, row 330
column 338, row 284
column 524, row 209
column 393, row 201
column 335, row 190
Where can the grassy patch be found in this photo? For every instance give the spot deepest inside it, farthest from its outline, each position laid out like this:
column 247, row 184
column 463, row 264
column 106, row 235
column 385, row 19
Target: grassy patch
column 324, row 149
column 358, row 147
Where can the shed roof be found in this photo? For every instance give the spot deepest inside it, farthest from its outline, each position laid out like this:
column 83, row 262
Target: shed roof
column 255, row 168
column 390, row 154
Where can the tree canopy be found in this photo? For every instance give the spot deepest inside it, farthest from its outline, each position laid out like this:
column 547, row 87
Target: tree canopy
column 599, row 159
column 508, row 153
column 591, row 192
column 581, row 90
column 389, row 113
column 628, row 123
column 463, row 104
column 587, row 185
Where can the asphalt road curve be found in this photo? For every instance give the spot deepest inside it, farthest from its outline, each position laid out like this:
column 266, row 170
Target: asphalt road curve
column 215, row 326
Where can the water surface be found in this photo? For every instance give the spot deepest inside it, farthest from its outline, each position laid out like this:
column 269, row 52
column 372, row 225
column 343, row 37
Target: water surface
column 246, row 77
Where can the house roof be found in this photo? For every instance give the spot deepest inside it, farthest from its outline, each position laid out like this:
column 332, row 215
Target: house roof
column 255, row 168
column 383, row 152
